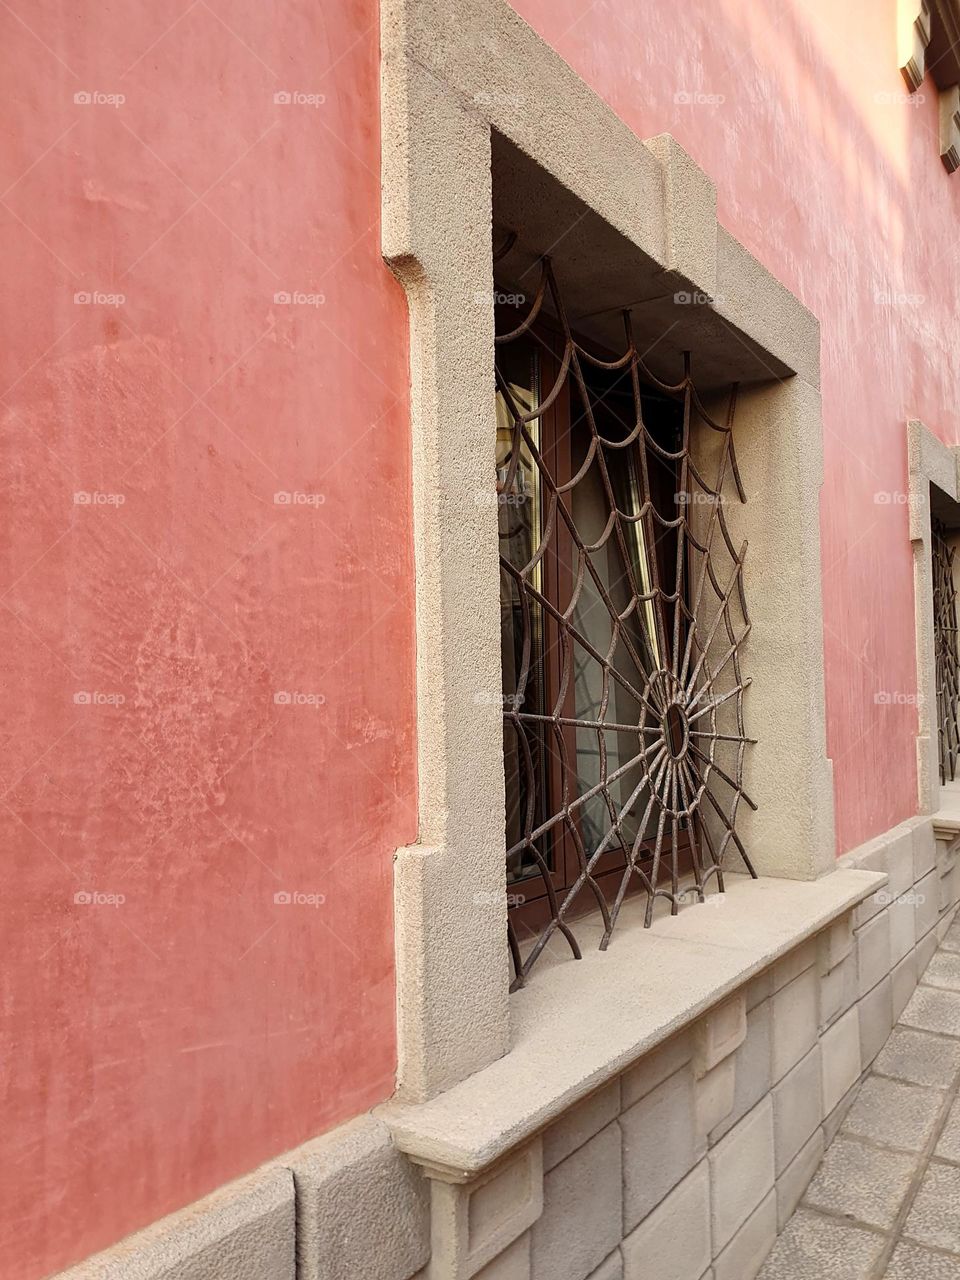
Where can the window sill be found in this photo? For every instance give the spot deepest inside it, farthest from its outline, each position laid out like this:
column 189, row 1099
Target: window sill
column 580, row 1023
column 947, row 817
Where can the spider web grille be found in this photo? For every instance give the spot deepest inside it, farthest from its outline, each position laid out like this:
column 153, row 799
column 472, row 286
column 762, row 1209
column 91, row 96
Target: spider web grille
column 945, row 649
column 644, row 802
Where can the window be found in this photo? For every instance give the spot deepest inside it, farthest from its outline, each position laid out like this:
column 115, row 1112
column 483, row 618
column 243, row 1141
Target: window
column 622, row 620
column 945, row 650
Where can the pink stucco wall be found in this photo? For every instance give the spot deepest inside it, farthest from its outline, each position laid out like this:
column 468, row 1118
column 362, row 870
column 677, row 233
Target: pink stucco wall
column 832, row 177
column 154, row 1049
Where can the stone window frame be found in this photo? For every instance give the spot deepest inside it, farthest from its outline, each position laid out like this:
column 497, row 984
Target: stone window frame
column 449, row 75
column 930, row 462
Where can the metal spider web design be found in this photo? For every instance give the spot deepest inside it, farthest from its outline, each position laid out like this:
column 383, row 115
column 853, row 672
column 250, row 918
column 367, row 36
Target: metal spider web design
column 674, row 653
column 945, row 649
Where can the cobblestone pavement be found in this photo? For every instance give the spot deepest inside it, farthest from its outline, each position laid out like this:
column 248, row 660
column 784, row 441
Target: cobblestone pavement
column 885, row 1202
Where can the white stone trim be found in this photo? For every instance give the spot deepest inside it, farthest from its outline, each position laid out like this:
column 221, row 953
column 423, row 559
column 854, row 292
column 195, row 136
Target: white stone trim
column 929, row 462
column 691, row 962
column 450, row 74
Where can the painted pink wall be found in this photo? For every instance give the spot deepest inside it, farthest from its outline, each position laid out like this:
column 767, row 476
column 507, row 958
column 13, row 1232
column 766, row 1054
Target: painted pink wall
column 152, row 1051
column 155, row 1049
column 832, row 177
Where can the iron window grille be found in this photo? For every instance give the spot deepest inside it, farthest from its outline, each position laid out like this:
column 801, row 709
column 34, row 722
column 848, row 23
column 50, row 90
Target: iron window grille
column 945, row 650
column 623, row 619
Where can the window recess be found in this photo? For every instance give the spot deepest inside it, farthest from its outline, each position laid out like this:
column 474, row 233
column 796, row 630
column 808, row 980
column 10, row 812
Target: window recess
column 623, row 617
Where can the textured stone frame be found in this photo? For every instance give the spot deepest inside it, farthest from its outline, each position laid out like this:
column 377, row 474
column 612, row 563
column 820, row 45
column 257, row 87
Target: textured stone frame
column 450, row 74
column 930, row 462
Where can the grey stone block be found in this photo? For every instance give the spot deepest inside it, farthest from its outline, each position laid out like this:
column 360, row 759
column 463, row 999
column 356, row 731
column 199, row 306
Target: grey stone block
column 920, row 1058
column 673, row 1242
column 924, row 850
column 244, row 1231
column 797, row 1109
column 795, row 1024
column 580, row 1124
column 363, row 1210
column 948, row 1146
column 951, row 939
column 927, row 893
column 838, row 990
column 655, row 1067
column 836, row 1117
column 903, row 980
column 909, row 1262
column 862, row 1182
column 751, row 1067
column 933, row 1010
column 840, row 1059
column 925, row 950
column 873, row 952
column 512, row 1264
column 814, row 1247
column 741, row 1172
column 903, row 930
column 794, row 1180
column 893, row 1114
column 581, row 1221
column 935, row 1216
column 943, row 971
column 660, row 1144
column 875, row 1013
column 610, row 1269
column 747, row 1251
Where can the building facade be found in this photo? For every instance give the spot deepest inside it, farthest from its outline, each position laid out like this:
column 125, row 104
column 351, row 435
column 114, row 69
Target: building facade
column 484, row 623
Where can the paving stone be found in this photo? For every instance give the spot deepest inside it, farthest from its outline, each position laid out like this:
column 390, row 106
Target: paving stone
column 948, row 1147
column 813, row 1247
column 912, row 1263
column 935, row 1215
column 919, row 1057
column 862, row 1182
column 934, row 1010
column 943, row 971
column 894, row 1114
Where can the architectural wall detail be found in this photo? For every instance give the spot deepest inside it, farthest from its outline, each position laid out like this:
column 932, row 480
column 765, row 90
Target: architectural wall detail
column 442, row 96
column 693, row 1156
column 930, row 462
